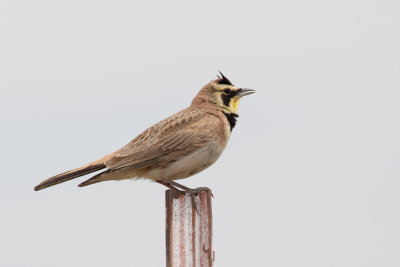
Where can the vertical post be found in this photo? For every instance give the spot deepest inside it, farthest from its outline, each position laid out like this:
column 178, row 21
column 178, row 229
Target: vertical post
column 188, row 233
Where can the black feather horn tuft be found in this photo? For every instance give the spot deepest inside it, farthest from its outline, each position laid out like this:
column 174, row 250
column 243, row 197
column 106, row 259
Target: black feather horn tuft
column 223, row 79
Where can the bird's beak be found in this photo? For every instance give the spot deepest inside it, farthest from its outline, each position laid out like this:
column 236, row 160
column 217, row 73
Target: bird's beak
column 244, row 91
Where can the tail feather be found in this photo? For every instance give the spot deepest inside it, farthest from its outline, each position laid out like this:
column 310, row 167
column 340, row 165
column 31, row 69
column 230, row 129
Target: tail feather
column 66, row 176
column 118, row 174
column 94, row 179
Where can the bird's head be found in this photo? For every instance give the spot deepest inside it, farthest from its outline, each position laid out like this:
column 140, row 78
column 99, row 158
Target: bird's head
column 222, row 93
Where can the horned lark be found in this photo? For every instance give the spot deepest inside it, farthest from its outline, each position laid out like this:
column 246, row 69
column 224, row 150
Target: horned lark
column 176, row 147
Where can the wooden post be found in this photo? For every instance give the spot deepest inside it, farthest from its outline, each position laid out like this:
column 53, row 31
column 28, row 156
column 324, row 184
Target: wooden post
column 188, row 233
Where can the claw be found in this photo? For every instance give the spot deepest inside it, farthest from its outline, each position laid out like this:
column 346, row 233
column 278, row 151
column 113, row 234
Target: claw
column 193, row 193
column 195, row 204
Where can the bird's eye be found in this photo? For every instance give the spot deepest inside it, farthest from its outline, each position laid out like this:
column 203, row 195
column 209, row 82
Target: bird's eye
column 227, row 91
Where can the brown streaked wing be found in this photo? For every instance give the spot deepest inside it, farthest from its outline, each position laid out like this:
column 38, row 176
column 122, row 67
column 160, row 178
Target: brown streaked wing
column 151, row 135
column 195, row 134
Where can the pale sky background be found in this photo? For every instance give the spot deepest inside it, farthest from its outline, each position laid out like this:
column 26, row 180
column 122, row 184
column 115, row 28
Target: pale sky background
column 310, row 176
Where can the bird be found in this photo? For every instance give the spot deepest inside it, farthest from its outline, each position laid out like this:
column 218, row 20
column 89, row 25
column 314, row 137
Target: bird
column 177, row 147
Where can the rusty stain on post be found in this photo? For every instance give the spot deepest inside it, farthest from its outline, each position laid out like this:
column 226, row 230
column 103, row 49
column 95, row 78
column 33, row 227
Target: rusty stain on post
column 188, row 233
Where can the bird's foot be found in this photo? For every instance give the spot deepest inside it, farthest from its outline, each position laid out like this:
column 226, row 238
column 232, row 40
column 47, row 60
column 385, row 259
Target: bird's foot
column 197, row 190
column 188, row 191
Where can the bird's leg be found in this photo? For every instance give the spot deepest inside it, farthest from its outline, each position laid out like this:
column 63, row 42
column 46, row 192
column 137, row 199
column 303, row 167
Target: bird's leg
column 192, row 192
column 176, row 185
column 168, row 185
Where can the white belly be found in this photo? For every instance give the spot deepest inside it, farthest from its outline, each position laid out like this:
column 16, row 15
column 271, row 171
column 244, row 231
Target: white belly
column 189, row 164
